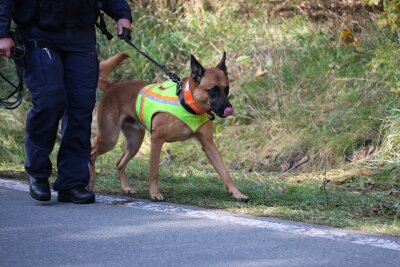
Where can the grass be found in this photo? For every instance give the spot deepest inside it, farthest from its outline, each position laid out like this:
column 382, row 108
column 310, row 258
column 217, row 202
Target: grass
column 299, row 93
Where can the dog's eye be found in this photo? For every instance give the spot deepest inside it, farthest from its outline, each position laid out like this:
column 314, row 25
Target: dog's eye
column 226, row 90
column 213, row 92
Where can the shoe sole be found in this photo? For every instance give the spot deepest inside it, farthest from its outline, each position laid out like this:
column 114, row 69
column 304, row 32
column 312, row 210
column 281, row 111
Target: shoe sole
column 39, row 198
column 61, row 198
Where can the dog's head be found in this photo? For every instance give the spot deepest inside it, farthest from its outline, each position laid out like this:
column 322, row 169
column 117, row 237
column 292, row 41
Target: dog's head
column 210, row 87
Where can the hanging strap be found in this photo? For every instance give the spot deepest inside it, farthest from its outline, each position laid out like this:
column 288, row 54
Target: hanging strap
column 14, row 99
column 102, row 26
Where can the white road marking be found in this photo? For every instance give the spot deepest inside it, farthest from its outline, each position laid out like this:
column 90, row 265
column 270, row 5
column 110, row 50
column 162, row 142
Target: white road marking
column 331, row 233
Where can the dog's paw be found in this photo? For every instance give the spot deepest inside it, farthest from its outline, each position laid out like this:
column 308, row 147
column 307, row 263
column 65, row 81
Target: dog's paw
column 128, row 190
column 240, row 197
column 157, row 198
column 89, row 187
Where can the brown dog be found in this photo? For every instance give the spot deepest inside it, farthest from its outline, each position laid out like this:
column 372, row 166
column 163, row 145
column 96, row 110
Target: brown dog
column 207, row 90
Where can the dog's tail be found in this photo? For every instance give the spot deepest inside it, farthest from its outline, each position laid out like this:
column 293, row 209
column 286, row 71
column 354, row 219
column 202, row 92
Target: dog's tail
column 107, row 66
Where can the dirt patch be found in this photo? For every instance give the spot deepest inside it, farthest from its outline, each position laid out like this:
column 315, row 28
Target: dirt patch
column 318, row 10
column 342, row 13
column 335, row 176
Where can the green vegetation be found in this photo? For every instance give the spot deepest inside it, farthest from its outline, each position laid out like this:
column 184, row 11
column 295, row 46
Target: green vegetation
column 315, row 136
column 390, row 17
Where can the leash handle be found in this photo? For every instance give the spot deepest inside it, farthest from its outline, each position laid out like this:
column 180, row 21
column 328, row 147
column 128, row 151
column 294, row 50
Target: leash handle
column 126, row 36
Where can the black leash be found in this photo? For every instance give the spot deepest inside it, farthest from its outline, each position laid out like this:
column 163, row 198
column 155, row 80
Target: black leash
column 14, row 99
column 126, row 36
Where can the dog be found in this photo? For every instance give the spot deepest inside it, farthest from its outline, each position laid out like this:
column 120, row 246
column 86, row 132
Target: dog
column 203, row 91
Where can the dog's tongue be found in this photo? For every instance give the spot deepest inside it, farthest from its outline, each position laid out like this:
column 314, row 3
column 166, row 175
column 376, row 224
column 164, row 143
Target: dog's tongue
column 228, row 111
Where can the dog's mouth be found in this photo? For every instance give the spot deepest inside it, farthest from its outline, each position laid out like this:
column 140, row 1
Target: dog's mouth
column 228, row 111
column 221, row 107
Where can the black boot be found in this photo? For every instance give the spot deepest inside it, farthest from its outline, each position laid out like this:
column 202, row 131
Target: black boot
column 39, row 189
column 77, row 195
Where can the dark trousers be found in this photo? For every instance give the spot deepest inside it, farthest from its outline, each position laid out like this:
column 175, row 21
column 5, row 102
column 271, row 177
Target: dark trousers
column 62, row 80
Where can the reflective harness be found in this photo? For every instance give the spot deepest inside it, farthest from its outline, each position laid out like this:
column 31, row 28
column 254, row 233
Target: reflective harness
column 156, row 98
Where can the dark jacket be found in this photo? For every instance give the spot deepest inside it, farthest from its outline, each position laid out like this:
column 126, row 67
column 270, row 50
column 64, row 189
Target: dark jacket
column 56, row 15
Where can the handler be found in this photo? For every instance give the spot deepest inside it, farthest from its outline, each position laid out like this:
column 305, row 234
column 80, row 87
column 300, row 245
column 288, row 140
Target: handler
column 61, row 73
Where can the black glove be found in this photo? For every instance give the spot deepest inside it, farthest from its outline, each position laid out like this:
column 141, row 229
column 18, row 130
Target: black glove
column 125, row 35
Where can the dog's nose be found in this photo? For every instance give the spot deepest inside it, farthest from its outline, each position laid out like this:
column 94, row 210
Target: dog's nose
column 228, row 111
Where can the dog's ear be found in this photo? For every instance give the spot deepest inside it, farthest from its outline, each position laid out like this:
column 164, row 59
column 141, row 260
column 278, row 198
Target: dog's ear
column 197, row 69
column 221, row 65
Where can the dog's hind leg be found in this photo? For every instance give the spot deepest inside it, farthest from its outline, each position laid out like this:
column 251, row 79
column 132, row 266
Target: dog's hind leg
column 134, row 134
column 107, row 136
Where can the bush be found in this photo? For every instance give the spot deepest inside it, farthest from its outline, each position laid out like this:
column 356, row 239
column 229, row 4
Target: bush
column 390, row 17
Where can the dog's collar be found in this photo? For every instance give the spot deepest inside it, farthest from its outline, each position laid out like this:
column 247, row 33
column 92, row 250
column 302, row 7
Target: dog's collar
column 187, row 101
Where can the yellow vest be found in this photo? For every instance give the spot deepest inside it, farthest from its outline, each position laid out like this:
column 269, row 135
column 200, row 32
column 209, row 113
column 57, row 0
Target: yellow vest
column 162, row 97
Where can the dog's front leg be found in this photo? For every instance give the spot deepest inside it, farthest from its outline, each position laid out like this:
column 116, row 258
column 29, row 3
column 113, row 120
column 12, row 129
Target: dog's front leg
column 155, row 150
column 205, row 137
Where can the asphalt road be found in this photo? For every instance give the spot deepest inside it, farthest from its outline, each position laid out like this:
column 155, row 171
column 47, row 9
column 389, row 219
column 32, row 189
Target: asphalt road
column 126, row 232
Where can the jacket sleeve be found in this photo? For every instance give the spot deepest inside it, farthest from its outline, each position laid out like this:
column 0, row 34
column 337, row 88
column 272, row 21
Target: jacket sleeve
column 117, row 9
column 6, row 11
